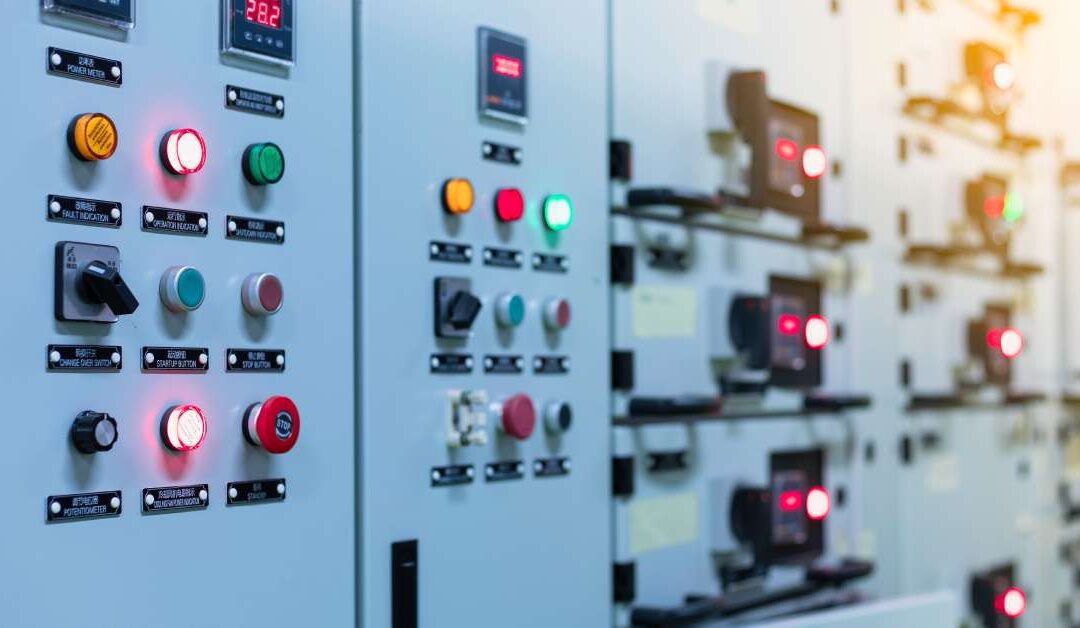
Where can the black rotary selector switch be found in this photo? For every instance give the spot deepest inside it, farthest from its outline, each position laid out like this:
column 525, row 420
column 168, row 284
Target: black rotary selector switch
column 464, row 308
column 93, row 432
column 104, row 284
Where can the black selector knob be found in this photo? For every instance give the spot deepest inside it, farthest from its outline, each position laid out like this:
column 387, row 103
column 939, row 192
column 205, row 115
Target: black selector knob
column 93, row 432
column 104, row 283
column 464, row 308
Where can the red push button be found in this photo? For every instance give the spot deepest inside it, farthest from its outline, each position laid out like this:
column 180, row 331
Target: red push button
column 557, row 314
column 273, row 424
column 263, row 294
column 509, row 204
column 518, row 417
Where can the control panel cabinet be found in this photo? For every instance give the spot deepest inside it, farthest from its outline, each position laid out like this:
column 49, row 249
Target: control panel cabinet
column 179, row 378
column 484, row 343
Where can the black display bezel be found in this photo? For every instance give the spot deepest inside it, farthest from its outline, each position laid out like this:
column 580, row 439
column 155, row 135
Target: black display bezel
column 92, row 10
column 235, row 26
column 487, row 80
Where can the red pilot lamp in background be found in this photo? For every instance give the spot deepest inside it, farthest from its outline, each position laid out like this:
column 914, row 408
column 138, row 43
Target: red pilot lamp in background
column 1007, row 340
column 1011, row 603
column 818, row 504
column 816, row 330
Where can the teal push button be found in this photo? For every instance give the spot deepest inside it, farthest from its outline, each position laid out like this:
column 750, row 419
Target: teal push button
column 183, row 289
column 510, row 310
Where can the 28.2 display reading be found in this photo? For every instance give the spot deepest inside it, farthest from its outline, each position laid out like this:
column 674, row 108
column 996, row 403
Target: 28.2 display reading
column 264, row 13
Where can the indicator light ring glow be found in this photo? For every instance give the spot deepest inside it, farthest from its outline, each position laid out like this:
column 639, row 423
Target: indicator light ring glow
column 818, row 503
column 183, row 151
column 183, row 428
column 1012, row 602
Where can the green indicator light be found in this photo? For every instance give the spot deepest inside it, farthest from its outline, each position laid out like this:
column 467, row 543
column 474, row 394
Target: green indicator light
column 191, row 288
column 264, row 164
column 516, row 310
column 558, row 212
column 1014, row 208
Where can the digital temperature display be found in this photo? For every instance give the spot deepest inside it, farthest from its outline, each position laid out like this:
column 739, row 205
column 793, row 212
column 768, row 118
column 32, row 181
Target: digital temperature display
column 264, row 13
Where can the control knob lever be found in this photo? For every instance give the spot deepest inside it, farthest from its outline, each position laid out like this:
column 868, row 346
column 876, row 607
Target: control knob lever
column 105, row 285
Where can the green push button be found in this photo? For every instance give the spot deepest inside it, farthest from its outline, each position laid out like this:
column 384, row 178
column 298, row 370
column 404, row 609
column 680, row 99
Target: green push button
column 264, row 164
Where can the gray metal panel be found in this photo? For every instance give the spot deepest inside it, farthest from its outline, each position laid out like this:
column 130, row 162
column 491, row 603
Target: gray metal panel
column 527, row 553
column 283, row 564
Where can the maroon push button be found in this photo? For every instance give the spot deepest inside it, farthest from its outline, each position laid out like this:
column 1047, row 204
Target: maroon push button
column 263, row 294
column 557, row 314
column 509, row 204
column 518, row 417
column 273, row 424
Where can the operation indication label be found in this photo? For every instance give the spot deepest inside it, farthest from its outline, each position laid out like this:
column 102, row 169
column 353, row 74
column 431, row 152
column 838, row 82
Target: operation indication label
column 453, row 475
column 450, row 252
column 451, row 363
column 175, row 221
column 254, row 230
column 255, row 360
column 546, row 263
column 551, row 365
column 502, row 258
column 254, row 101
column 84, row 67
column 84, row 211
column 176, row 359
column 504, row 364
column 85, row 358
column 175, row 498
column 551, row 467
column 255, row 492
column 83, row 506
column 504, row 471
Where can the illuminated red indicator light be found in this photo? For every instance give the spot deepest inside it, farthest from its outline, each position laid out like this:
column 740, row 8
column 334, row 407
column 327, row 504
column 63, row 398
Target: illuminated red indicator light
column 791, row 501
column 788, row 324
column 814, row 162
column 817, row 332
column 1009, row 341
column 507, row 66
column 1011, row 603
column 183, row 428
column 183, row 151
column 509, row 204
column 818, row 503
column 994, row 206
column 787, row 149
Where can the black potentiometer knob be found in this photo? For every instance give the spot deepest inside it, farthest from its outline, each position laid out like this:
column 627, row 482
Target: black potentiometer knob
column 92, row 432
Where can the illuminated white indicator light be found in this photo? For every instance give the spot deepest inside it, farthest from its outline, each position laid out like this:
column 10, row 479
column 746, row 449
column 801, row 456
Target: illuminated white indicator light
column 183, row 151
column 183, row 428
column 818, row 504
column 817, row 332
column 814, row 162
column 1003, row 75
column 1011, row 603
column 1012, row 342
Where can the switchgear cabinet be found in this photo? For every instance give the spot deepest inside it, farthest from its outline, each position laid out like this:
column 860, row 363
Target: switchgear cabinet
column 178, row 178
column 484, row 385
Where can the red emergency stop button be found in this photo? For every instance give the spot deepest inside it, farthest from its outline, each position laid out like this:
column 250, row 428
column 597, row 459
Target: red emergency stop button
column 518, row 418
column 509, row 204
column 557, row 314
column 273, row 424
column 262, row 294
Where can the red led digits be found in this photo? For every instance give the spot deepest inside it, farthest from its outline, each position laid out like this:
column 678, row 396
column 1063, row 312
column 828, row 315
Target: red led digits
column 817, row 332
column 1011, row 603
column 787, row 149
column 791, row 501
column 263, row 12
column 814, row 162
column 818, row 503
column 788, row 324
column 183, row 428
column 183, row 151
